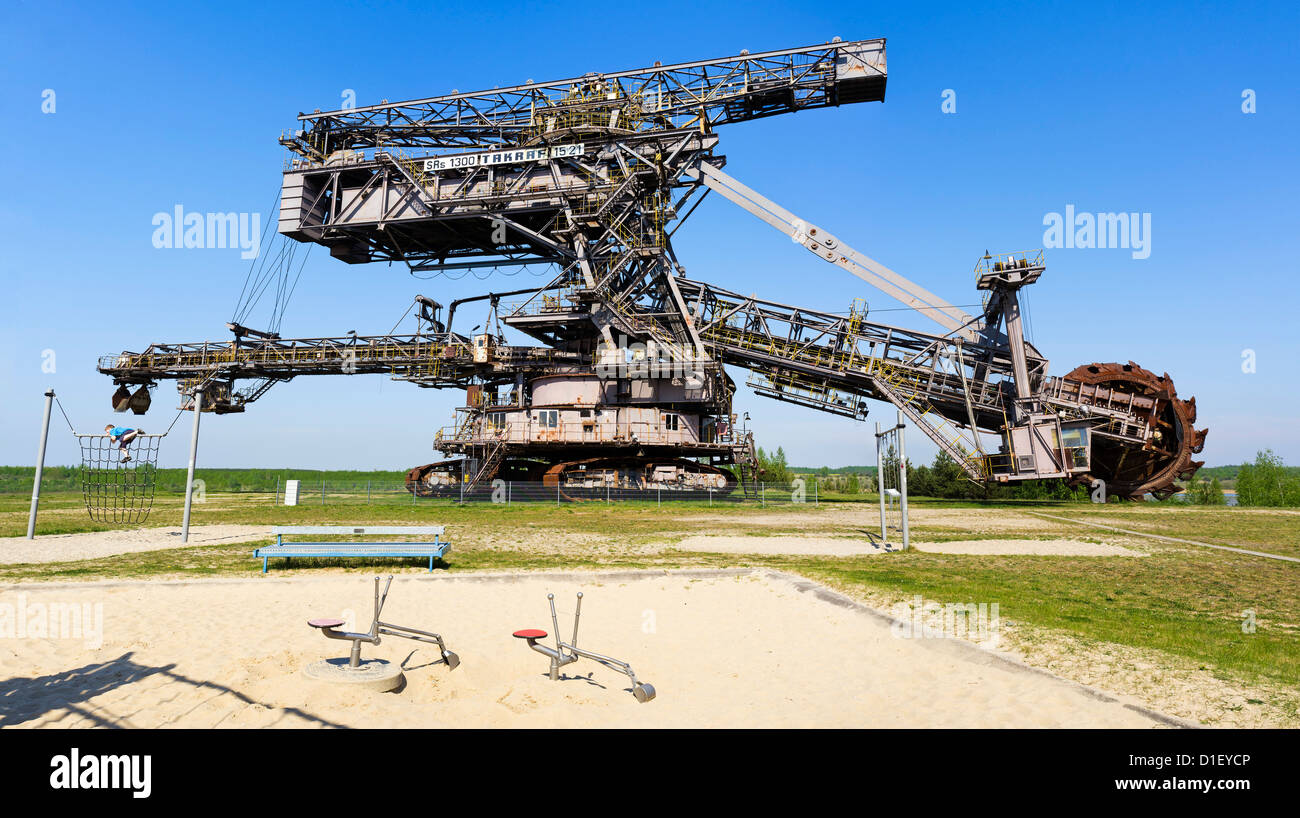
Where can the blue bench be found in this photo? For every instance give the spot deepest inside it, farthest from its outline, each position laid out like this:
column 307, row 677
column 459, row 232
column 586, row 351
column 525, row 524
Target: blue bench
column 433, row 550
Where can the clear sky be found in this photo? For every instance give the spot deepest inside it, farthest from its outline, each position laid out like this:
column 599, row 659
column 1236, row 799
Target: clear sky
column 1109, row 107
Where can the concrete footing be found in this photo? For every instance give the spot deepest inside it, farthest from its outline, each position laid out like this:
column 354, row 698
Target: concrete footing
column 372, row 674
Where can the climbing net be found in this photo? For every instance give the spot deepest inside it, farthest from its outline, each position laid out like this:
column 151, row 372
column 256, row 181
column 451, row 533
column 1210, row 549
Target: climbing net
column 118, row 483
column 116, row 491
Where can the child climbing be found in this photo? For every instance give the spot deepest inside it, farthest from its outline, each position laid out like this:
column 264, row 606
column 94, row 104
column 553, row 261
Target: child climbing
column 122, row 436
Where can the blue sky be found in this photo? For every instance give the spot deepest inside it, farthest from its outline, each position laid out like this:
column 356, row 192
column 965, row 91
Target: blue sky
column 1104, row 106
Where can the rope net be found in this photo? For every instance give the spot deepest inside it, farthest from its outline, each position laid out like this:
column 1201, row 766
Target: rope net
column 117, row 489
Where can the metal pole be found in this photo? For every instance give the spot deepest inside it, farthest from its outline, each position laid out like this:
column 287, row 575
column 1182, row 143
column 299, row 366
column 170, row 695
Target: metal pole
column 577, row 614
column 194, row 454
column 367, row 492
column 880, row 485
column 277, row 491
column 40, row 465
column 902, row 477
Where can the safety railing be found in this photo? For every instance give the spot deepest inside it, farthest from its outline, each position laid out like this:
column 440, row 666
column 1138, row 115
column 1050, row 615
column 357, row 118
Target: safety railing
column 807, row 390
column 412, row 168
column 1006, row 262
column 908, row 392
column 561, row 300
column 850, row 357
column 997, row 463
column 476, row 429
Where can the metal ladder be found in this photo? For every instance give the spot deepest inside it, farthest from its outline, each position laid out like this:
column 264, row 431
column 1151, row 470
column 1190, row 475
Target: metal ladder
column 491, row 459
column 747, row 466
column 952, row 446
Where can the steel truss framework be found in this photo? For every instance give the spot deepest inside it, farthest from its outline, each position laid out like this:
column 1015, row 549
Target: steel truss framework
column 700, row 95
column 594, row 175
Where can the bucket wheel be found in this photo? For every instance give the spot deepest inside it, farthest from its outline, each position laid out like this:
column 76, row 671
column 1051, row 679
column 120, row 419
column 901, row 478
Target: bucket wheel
column 1132, row 472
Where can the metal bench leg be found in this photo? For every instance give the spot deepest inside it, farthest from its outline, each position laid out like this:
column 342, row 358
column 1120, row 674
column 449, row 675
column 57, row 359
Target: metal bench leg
column 264, row 559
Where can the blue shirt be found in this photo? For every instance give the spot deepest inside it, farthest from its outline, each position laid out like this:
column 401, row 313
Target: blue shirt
column 118, row 431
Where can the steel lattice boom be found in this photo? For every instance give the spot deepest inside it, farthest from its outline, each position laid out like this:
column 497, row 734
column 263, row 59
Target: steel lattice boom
column 699, row 95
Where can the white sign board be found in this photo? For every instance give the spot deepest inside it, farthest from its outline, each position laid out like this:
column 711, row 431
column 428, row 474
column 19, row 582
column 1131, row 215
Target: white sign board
column 514, row 155
column 291, row 492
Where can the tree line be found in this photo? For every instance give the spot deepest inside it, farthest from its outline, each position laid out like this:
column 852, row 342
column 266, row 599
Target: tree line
column 1267, row 482
column 1264, row 483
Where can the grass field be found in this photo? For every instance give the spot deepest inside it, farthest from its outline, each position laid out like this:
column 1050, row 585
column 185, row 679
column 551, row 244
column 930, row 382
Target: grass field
column 18, row 479
column 1183, row 603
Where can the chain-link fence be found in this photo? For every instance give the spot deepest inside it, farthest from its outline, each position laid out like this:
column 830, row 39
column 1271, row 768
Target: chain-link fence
column 328, row 493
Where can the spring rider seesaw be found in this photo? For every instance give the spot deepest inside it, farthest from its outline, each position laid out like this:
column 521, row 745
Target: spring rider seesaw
column 376, row 674
column 565, row 653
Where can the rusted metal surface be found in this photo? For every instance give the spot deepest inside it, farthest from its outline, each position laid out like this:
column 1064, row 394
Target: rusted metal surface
column 443, row 478
column 589, row 478
column 1130, row 472
column 595, row 176
column 586, row 478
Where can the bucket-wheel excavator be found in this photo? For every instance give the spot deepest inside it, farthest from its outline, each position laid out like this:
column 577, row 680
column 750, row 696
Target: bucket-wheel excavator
column 627, row 388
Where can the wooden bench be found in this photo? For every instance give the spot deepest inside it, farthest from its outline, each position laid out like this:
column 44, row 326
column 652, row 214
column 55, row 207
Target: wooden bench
column 433, row 550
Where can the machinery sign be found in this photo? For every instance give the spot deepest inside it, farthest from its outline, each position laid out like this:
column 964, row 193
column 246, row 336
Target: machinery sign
column 473, row 160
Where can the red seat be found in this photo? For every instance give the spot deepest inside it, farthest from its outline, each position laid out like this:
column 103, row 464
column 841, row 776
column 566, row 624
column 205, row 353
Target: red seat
column 326, row 623
column 530, row 633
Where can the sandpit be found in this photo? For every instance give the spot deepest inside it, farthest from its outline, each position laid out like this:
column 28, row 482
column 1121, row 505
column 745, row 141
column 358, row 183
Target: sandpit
column 1058, row 548
column 867, row 516
column 861, row 546
column 724, row 649
column 95, row 544
column 794, row 546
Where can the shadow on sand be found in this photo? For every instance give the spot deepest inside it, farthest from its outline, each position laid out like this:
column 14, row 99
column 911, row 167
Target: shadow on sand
column 25, row 699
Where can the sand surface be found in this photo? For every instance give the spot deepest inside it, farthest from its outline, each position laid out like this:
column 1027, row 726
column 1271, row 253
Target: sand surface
column 829, row 546
column 94, row 544
column 849, row 547
column 867, row 517
column 740, row 649
column 1061, row 548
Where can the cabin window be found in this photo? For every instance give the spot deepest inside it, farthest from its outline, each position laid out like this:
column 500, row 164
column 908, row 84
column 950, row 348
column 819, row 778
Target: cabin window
column 1075, row 443
column 548, row 419
column 671, row 423
column 496, row 420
